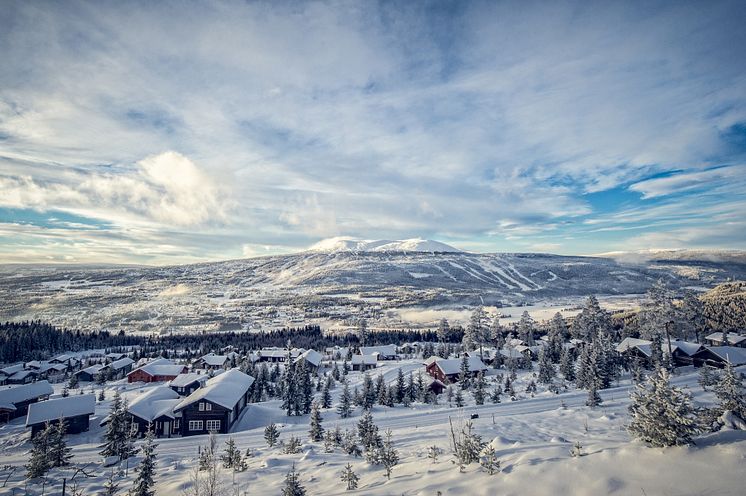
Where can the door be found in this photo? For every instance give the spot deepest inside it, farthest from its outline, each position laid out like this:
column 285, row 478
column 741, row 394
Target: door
column 167, row 429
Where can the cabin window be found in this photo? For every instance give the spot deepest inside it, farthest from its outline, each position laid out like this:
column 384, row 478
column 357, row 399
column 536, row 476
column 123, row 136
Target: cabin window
column 208, row 407
column 176, row 424
column 213, row 425
column 196, row 425
column 201, row 407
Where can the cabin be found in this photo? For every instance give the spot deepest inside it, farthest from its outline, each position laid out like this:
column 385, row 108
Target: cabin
column 361, row 363
column 113, row 357
column 312, row 358
column 734, row 339
column 212, row 361
column 75, row 410
column 681, row 351
column 159, row 370
column 436, row 386
column 119, row 368
column 277, row 355
column 720, row 356
column 155, row 409
column 336, row 352
column 14, row 401
column 216, row 406
column 448, row 370
column 54, row 372
column 8, row 371
column 22, row 377
column 186, row 384
column 89, row 374
column 383, row 352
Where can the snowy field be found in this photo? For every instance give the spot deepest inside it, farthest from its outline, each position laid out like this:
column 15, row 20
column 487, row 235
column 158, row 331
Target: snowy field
column 532, row 437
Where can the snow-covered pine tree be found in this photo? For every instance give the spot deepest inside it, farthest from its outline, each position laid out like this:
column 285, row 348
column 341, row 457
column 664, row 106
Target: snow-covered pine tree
column 443, row 330
column 479, row 386
column 114, row 435
column 362, row 331
column 368, row 432
column 463, row 375
column 584, row 368
column 350, row 478
column 39, row 463
column 567, row 365
column 496, row 392
column 433, row 452
column 316, row 431
column 59, row 453
column 557, row 335
column 293, row 486
column 594, row 399
column 707, row 377
column 111, row 486
column 459, row 399
column 345, row 402
column 304, row 387
column 662, row 415
column 729, row 391
column 401, row 387
column 231, row 456
column 489, row 460
column 289, row 382
column 271, row 434
column 369, row 392
column 526, row 329
column 387, row 455
column 293, row 446
column 144, row 484
column 546, row 367
column 468, row 445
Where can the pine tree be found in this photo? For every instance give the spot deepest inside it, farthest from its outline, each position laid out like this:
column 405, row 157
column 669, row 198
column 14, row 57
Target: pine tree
column 707, row 377
column 290, row 394
column 567, row 365
column 463, row 376
column 479, row 386
column 368, row 432
column 345, row 402
column 231, row 457
column 102, row 395
column 489, row 460
column 369, row 392
column 729, row 391
column 39, row 463
column 401, row 388
column 317, row 431
column 388, row 456
column 546, row 368
column 293, row 446
column 661, row 413
column 59, row 453
column 118, row 435
column 305, row 388
column 459, row 399
column 526, row 329
column 326, row 396
column 271, row 434
column 292, row 486
column 594, row 399
column 433, row 452
column 467, row 445
column 145, row 480
column 496, row 392
column 350, row 478
column 111, row 486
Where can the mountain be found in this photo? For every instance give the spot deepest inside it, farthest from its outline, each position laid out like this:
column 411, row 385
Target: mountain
column 332, row 284
column 347, row 244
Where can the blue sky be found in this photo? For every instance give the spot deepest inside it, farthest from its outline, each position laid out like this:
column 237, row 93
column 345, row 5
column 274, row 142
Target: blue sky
column 159, row 132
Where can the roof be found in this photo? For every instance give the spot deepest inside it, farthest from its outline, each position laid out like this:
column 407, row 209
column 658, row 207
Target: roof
column 22, row 374
column 72, row 406
column 364, row 359
column 121, row 363
column 93, row 369
column 214, row 360
column 224, row 390
column 182, row 380
column 161, row 366
column 279, row 352
column 12, row 395
column 12, row 369
column 311, row 356
column 732, row 354
column 684, row 346
column 628, row 343
column 385, row 350
column 644, row 346
column 157, row 402
column 453, row 365
column 732, row 337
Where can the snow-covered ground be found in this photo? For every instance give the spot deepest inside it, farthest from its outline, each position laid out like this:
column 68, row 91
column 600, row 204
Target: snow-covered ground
column 532, row 437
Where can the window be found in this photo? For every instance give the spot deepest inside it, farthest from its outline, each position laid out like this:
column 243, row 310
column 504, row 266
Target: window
column 201, row 407
column 213, row 425
column 195, row 425
column 176, row 424
column 208, row 407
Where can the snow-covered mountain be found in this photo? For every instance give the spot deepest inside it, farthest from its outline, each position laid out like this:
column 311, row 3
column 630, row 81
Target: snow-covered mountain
column 348, row 244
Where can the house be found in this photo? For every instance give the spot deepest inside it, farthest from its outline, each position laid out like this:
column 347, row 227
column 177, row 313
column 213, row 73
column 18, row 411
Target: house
column 89, row 374
column 436, row 386
column 186, row 384
column 217, row 405
column 362, row 363
column 119, row 368
column 312, row 358
column 212, row 361
column 14, row 401
column 681, row 351
column 719, row 356
column 716, row 339
column 75, row 410
column 53, row 372
column 22, row 377
column 8, row 371
column 158, row 370
column 113, row 357
column 155, row 408
column 448, row 370
column 336, row 352
column 277, row 355
column 383, row 352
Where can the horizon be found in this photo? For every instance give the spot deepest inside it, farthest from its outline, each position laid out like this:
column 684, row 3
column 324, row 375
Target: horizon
column 165, row 136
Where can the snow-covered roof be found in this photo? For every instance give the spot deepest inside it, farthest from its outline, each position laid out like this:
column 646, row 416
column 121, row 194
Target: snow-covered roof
column 121, row 363
column 182, row 380
column 72, row 406
column 732, row 338
column 311, row 356
column 22, row 374
column 161, row 366
column 453, row 365
column 364, row 359
column 16, row 394
column 645, row 346
column 385, row 350
column 157, row 402
column 93, row 369
column 628, row 343
column 279, row 352
column 115, row 356
column 224, row 390
column 732, row 354
column 214, row 360
column 683, row 346
column 11, row 369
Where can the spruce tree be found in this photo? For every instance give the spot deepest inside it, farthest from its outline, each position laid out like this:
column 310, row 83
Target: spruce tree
column 368, row 432
column 326, row 396
column 145, row 481
column 345, row 402
column 489, row 460
column 388, row 456
column 271, row 434
column 59, row 453
column 316, row 431
column 231, row 456
column 479, row 386
column 463, row 375
column 459, row 399
column 662, row 415
column 292, row 486
column 546, row 368
column 400, row 388
column 567, row 365
column 39, row 463
column 350, row 478
column 729, row 391
column 496, row 392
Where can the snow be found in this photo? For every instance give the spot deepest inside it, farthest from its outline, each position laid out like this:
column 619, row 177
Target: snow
column 383, row 350
column 311, row 356
column 733, row 338
column 157, row 402
column 9, row 396
column 162, row 366
column 54, row 409
column 121, row 363
column 453, row 365
column 736, row 356
column 628, row 343
column 364, row 359
column 182, row 380
column 214, row 360
column 224, row 390
column 12, row 369
column 344, row 243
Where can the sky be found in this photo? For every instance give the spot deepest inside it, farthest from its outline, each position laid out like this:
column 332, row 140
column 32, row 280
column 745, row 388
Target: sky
column 176, row 132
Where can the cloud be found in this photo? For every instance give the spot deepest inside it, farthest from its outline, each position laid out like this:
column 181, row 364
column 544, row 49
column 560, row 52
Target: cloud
column 688, row 181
